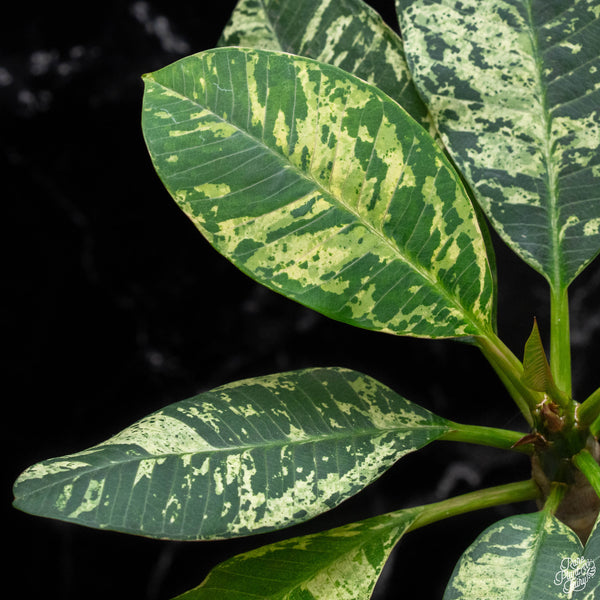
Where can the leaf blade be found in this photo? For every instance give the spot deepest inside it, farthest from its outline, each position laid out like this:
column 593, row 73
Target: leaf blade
column 247, row 457
column 349, row 35
column 536, row 370
column 321, row 188
column 342, row 563
column 517, row 558
column 519, row 117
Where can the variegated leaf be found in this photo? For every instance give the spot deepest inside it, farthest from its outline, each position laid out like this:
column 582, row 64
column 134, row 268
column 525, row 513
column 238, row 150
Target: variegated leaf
column 526, row 557
column 514, row 86
column 590, row 563
column 346, row 33
column 322, row 188
column 340, row 564
column 247, row 457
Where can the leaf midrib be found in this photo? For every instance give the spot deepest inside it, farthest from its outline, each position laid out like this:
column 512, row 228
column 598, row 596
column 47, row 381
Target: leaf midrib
column 333, row 436
column 479, row 327
column 551, row 168
column 362, row 539
column 541, row 532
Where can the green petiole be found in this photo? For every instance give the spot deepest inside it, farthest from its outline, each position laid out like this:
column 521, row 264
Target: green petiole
column 520, row 491
column 586, row 463
column 510, row 370
column 487, row 436
column 589, row 410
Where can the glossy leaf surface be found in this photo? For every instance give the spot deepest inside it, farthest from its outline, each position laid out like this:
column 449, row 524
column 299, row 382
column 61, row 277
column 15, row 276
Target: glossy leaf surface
column 247, row 457
column 322, row 188
column 527, row 557
column 514, row 86
column 340, row 564
column 346, row 33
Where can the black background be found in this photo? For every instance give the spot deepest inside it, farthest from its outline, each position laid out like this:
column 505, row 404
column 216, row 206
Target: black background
column 115, row 306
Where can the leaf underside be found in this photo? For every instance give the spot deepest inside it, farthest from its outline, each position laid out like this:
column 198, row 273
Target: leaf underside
column 348, row 34
column 248, row 457
column 524, row 558
column 322, row 188
column 514, row 86
column 339, row 564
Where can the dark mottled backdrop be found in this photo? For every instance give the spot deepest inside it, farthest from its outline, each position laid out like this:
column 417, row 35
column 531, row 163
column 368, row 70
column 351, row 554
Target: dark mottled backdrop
column 115, row 306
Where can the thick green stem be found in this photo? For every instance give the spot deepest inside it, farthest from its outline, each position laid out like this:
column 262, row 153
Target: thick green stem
column 560, row 340
column 486, row 436
column 557, row 493
column 509, row 369
column 589, row 410
column 587, row 464
column 595, row 427
column 519, row 491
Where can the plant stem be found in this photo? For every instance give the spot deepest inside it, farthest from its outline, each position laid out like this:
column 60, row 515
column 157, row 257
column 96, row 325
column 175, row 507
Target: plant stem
column 486, row 436
column 557, row 493
column 509, row 369
column 586, row 463
column 519, row 491
column 595, row 426
column 560, row 340
column 589, row 410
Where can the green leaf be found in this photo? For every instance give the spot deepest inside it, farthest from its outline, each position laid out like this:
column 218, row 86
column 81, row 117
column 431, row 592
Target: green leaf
column 525, row 557
column 536, row 370
column 537, row 374
column 322, row 188
column 590, row 564
column 515, row 89
column 251, row 456
column 348, row 34
column 342, row 563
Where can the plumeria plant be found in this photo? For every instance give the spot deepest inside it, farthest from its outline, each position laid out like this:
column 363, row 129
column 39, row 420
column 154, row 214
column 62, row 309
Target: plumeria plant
column 356, row 171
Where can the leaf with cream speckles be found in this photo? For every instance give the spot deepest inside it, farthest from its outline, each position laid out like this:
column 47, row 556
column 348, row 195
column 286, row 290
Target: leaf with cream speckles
column 247, row 457
column 339, row 564
column 526, row 557
column 322, row 188
column 348, row 34
column 592, row 553
column 514, row 86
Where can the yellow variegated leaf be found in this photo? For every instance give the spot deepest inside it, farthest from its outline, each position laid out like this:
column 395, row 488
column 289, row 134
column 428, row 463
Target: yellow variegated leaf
column 527, row 557
column 514, row 87
column 339, row 564
column 322, row 188
column 348, row 34
column 247, row 457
